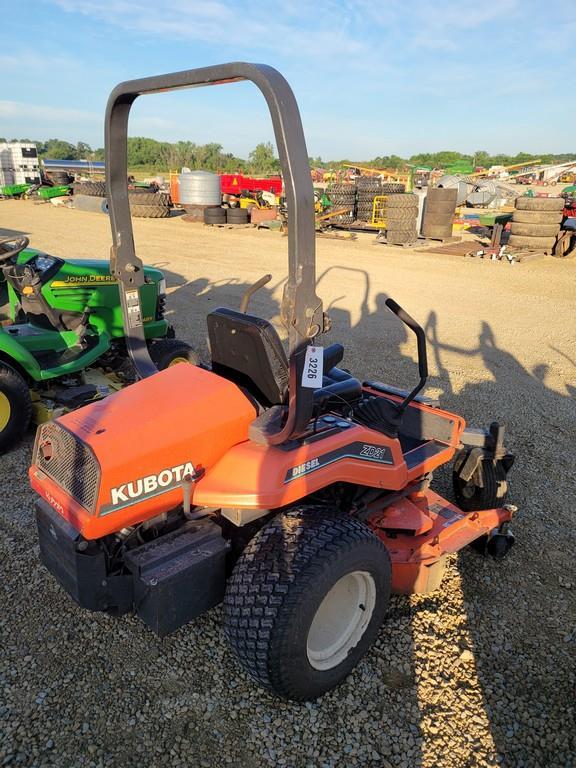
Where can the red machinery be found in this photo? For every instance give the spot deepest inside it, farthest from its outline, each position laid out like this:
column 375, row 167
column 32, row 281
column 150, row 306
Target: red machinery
column 234, row 183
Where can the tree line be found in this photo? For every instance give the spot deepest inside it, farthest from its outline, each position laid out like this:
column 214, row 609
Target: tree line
column 164, row 156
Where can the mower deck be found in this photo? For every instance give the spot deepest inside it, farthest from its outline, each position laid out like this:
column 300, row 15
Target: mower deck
column 421, row 529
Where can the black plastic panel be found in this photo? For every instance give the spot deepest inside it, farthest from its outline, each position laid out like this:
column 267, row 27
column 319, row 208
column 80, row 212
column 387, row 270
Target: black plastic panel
column 179, row 576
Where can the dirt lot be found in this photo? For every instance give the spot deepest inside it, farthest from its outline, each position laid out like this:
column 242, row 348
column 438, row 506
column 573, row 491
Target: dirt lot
column 480, row 673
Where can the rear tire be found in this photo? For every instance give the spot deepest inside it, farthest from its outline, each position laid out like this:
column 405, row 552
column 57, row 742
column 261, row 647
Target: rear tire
column 168, row 352
column 15, row 407
column 305, row 601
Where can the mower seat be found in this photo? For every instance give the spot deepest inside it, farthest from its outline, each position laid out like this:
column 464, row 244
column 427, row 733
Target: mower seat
column 247, row 350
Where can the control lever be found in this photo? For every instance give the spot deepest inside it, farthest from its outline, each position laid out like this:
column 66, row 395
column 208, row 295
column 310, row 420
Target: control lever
column 252, row 290
column 422, row 357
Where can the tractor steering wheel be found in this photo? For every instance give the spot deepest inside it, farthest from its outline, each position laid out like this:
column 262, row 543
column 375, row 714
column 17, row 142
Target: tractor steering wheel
column 19, row 244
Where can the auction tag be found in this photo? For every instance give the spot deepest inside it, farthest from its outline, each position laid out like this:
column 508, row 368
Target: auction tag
column 313, row 367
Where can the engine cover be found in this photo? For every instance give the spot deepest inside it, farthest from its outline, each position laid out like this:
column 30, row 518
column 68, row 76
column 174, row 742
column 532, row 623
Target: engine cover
column 122, row 460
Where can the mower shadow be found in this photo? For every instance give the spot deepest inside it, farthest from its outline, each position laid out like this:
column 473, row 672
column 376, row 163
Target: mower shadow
column 190, row 301
column 505, row 643
column 5, row 232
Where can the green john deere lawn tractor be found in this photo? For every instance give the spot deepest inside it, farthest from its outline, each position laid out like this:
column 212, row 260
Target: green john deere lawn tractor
column 62, row 339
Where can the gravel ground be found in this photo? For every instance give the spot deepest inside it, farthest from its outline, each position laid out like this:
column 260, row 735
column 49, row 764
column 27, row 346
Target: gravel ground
column 479, row 673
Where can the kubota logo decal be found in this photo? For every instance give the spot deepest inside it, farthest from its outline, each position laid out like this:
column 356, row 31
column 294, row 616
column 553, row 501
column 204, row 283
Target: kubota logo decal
column 145, row 487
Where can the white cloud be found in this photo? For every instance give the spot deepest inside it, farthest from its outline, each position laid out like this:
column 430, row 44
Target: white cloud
column 228, row 25
column 18, row 109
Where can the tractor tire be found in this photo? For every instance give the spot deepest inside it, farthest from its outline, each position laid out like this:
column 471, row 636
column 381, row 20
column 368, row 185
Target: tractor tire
column 534, row 230
column 149, row 211
column 537, row 217
column 305, row 601
column 392, row 188
column 168, row 352
column 341, row 189
column 401, row 215
column 539, row 203
column 15, row 407
column 536, row 243
column 402, row 202
column 394, row 235
column 364, row 184
column 471, row 496
column 149, row 198
column 90, row 188
column 60, row 177
column 437, row 231
column 342, row 199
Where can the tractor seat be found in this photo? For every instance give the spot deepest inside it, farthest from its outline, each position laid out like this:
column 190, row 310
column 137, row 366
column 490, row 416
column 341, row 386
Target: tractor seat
column 27, row 286
column 247, row 350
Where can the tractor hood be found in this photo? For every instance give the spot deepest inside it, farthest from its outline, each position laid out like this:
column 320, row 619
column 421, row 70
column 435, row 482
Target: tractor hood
column 122, row 460
column 72, row 285
column 80, row 271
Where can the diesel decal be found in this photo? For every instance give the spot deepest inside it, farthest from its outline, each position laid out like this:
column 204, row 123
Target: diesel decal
column 376, row 454
column 302, row 469
column 145, row 487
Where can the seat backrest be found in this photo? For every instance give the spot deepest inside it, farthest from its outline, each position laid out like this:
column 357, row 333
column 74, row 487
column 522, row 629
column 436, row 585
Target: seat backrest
column 248, row 350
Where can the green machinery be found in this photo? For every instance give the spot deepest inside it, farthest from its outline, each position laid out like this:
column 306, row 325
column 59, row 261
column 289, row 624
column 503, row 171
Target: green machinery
column 62, row 339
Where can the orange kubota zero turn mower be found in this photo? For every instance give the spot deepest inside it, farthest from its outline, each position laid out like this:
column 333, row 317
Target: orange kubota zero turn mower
column 285, row 487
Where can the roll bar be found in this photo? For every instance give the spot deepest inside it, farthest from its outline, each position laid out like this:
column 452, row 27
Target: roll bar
column 302, row 311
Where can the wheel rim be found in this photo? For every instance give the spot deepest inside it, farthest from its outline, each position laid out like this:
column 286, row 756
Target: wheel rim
column 341, row 620
column 177, row 360
column 468, row 490
column 5, row 411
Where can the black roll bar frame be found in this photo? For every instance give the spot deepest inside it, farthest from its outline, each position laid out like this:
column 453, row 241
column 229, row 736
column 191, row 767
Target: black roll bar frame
column 302, row 311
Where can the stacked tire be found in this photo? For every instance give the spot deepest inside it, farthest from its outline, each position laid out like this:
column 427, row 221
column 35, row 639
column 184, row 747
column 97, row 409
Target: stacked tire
column 536, row 223
column 237, row 216
column 439, row 210
column 149, row 205
column 343, row 196
column 143, row 203
column 89, row 188
column 401, row 219
column 392, row 188
column 59, row 177
column 368, row 188
column 215, row 215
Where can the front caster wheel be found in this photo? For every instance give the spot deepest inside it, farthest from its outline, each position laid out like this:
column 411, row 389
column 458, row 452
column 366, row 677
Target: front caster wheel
column 305, row 602
column 486, row 489
column 498, row 544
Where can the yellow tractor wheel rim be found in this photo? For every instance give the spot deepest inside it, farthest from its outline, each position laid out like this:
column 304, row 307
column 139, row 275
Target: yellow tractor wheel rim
column 176, row 361
column 5, row 411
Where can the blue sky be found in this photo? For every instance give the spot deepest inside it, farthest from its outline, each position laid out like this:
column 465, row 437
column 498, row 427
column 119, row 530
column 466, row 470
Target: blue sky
column 371, row 78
